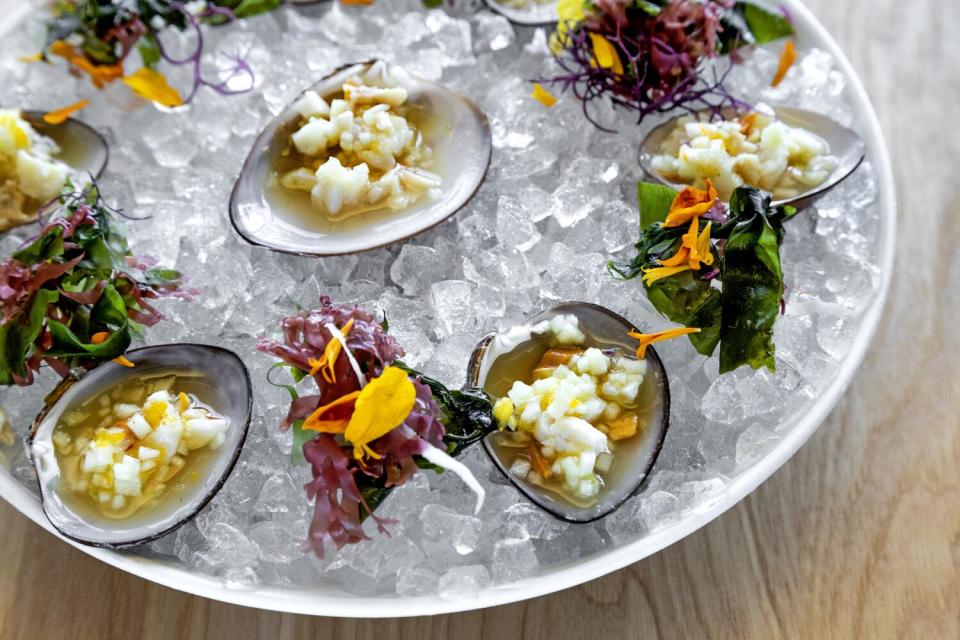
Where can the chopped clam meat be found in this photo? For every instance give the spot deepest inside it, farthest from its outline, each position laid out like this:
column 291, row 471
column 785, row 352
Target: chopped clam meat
column 757, row 150
column 580, row 401
column 126, row 461
column 361, row 153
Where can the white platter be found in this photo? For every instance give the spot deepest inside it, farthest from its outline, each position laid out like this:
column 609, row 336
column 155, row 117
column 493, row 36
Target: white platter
column 332, row 601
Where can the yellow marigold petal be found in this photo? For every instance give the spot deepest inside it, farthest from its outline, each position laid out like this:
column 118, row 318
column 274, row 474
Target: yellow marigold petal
column 381, row 407
column 605, row 54
column 37, row 57
column 646, row 339
column 787, row 58
column 659, row 273
column 681, row 257
column 689, row 203
column 122, row 361
column 59, row 116
column 543, row 96
column 152, row 85
column 703, row 245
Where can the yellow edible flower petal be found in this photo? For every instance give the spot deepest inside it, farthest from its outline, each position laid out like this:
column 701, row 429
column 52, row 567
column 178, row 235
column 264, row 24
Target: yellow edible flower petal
column 37, row 57
column 659, row 273
column 787, row 58
column 543, row 96
column 59, row 116
column 381, row 407
column 605, row 54
column 646, row 339
column 152, row 85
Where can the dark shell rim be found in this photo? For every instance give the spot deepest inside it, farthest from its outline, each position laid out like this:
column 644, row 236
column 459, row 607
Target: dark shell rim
column 516, row 17
column 200, row 504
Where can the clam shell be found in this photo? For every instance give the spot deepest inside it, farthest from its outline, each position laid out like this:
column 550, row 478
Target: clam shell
column 229, row 393
column 537, row 15
column 845, row 144
column 269, row 217
column 81, row 146
column 610, row 331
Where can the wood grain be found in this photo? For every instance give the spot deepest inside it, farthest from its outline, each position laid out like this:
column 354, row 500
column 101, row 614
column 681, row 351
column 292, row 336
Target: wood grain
column 858, row 536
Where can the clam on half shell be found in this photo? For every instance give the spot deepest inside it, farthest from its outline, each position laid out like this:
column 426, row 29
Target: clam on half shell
column 536, row 13
column 220, row 380
column 634, row 458
column 455, row 128
column 81, row 146
column 845, row 145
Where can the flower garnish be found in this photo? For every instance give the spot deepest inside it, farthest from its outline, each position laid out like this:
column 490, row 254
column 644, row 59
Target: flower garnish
column 651, row 56
column 787, row 60
column 366, row 433
column 691, row 203
column 96, row 36
column 647, row 339
column 543, row 96
column 59, row 116
column 152, row 85
column 680, row 277
column 74, row 295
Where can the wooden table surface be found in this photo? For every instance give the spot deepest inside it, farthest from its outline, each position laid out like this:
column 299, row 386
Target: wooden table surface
column 858, row 536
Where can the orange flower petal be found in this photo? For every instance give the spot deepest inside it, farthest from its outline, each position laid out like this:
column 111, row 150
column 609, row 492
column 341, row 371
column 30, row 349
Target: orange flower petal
column 646, row 339
column 59, row 116
column 333, row 417
column 689, row 203
column 100, row 74
column 99, row 338
column 787, row 58
column 122, row 361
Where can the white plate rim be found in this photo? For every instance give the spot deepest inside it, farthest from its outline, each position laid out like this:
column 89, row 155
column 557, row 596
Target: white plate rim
column 341, row 604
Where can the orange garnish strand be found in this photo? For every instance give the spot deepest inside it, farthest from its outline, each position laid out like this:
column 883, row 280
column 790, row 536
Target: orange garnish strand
column 100, row 338
column 689, row 203
column 59, row 116
column 331, row 352
column 543, row 96
column 539, row 463
column 646, row 339
column 334, row 416
column 356, row 1
column 747, row 122
column 100, row 74
column 787, row 58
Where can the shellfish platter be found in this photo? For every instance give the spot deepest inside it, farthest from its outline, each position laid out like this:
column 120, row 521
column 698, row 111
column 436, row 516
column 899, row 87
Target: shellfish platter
column 404, row 307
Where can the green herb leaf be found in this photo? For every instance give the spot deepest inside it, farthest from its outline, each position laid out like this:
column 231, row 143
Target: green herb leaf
column 655, row 200
column 765, row 25
column 692, row 302
column 47, row 247
column 752, row 284
column 149, row 50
